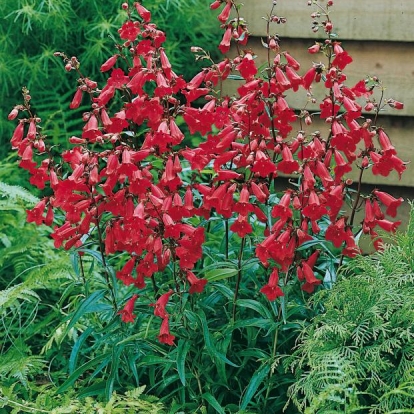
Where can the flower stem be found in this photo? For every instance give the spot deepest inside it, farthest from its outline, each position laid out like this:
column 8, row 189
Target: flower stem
column 239, row 276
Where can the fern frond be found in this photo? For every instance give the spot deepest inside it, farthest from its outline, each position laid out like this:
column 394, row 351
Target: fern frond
column 14, row 193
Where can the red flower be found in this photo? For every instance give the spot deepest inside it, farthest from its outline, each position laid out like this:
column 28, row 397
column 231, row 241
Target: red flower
column 225, row 13
column 197, row 285
column 35, row 215
column 129, row 31
column 247, row 67
column 306, row 272
column 118, row 79
column 225, row 42
column 243, row 207
column 263, row 165
column 126, row 313
column 143, row 12
column 77, row 99
column 389, row 201
column 161, row 303
column 314, row 210
column 288, row 165
column 241, row 226
column 165, row 336
column 109, row 63
column 282, row 209
column 336, row 232
column 271, row 289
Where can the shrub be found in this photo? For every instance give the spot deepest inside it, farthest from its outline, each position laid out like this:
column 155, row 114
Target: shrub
column 357, row 356
column 210, row 255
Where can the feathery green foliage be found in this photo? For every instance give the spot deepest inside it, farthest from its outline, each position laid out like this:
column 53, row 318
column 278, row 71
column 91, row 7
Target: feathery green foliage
column 359, row 353
column 48, row 402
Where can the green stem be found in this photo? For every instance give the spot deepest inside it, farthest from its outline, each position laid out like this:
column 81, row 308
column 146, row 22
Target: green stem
column 239, row 277
column 106, row 273
column 226, row 222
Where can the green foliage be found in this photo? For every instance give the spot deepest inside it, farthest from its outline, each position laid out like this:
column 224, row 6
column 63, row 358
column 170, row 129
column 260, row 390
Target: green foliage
column 358, row 355
column 28, row 272
column 31, row 31
column 48, row 402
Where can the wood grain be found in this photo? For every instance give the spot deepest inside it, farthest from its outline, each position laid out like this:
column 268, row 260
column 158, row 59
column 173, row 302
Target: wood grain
column 385, row 20
column 393, row 64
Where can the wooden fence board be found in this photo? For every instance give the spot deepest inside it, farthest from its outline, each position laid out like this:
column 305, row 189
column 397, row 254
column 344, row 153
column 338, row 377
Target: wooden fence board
column 386, row 20
column 391, row 63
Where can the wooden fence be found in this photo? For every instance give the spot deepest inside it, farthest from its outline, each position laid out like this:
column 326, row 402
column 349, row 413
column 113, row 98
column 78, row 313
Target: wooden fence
column 379, row 35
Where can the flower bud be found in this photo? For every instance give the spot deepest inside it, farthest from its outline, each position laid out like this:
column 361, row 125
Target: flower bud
column 13, row 114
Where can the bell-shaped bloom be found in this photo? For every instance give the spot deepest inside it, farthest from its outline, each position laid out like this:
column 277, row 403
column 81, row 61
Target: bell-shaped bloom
column 282, row 209
column 389, row 202
column 306, row 273
column 225, row 13
column 196, row 285
column 271, row 290
column 225, row 42
column 288, row 165
column 165, row 336
column 126, row 313
column 77, row 99
column 241, row 226
column 143, row 12
column 109, row 63
column 161, row 303
column 336, row 232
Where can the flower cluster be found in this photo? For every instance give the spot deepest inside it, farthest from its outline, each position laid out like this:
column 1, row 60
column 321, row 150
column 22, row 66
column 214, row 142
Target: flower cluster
column 124, row 178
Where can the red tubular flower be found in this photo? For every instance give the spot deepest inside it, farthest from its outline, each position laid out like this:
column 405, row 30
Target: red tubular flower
column 389, row 202
column 263, row 165
column 243, row 206
column 143, row 12
column 305, row 272
column 77, row 99
column 165, row 336
column 36, row 214
column 247, row 67
column 388, row 226
column 271, row 290
column 109, row 63
column 225, row 13
column 225, row 42
column 241, row 226
column 309, row 78
column 197, row 285
column 385, row 143
column 314, row 49
column 127, row 312
column 129, row 31
column 336, row 232
column 288, row 165
column 215, row 5
column 314, row 210
column 161, row 303
column 282, row 209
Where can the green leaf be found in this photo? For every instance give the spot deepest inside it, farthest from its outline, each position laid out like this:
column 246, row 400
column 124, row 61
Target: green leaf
column 256, row 306
column 254, row 384
column 183, row 348
column 88, row 305
column 213, row 402
column 77, row 373
column 220, row 274
column 75, row 350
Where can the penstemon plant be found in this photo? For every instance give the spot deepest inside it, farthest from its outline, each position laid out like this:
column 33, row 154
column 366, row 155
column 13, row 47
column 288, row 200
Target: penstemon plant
column 162, row 163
